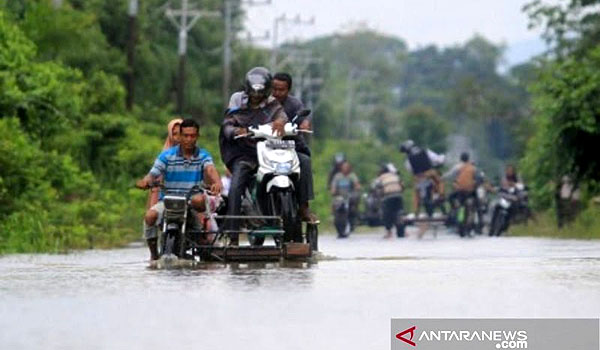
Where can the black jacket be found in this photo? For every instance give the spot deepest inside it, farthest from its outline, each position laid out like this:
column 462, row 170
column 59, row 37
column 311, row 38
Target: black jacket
column 245, row 148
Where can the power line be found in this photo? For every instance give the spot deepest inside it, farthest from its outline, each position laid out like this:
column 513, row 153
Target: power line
column 227, row 49
column 283, row 19
column 354, row 75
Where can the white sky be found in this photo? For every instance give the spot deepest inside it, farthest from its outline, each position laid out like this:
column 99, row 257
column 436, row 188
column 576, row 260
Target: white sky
column 418, row 22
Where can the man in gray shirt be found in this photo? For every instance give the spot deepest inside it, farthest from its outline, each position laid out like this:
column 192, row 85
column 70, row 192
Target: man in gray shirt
column 282, row 84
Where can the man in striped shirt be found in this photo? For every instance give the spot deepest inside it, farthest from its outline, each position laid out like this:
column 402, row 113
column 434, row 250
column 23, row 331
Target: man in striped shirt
column 182, row 167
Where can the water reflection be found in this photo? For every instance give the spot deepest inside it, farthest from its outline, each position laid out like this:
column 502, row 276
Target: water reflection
column 279, row 275
column 101, row 299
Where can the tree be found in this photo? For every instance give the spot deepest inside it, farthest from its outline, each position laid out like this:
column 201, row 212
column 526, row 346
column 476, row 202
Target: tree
column 425, row 128
column 566, row 107
column 570, row 27
column 567, row 121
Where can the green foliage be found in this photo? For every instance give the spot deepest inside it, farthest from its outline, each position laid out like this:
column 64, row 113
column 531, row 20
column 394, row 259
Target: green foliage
column 425, row 128
column 570, row 27
column 71, row 37
column 567, row 124
column 56, row 125
column 586, row 226
column 48, row 204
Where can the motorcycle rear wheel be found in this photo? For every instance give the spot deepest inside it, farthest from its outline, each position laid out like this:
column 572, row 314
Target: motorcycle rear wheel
column 341, row 224
column 287, row 208
column 496, row 224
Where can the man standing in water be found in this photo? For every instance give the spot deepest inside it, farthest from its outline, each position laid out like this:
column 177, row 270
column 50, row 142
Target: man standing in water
column 182, row 167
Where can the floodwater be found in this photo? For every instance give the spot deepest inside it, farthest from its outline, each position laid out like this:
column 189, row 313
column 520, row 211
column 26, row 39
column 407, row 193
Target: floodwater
column 112, row 300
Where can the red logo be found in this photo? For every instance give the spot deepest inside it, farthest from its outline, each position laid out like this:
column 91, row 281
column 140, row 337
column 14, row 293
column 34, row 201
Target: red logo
column 411, row 330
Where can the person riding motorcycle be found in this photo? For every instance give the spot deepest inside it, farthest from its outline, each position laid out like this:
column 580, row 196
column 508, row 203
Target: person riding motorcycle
column 422, row 163
column 252, row 107
column 390, row 187
column 338, row 160
column 282, row 84
column 510, row 178
column 198, row 169
column 345, row 184
column 465, row 177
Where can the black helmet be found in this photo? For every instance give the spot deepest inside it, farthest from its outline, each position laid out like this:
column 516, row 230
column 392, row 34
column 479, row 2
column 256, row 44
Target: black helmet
column 339, row 158
column 464, row 157
column 258, row 82
column 383, row 168
column 406, row 146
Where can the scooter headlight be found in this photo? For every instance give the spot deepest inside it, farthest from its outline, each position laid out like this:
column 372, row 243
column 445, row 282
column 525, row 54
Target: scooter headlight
column 504, row 203
column 283, row 168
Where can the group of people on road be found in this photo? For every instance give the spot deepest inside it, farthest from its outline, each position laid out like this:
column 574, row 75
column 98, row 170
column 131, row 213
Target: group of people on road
column 429, row 195
column 182, row 165
column 266, row 99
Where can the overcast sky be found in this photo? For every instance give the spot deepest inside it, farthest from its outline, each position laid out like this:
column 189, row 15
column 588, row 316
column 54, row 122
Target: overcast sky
column 418, row 22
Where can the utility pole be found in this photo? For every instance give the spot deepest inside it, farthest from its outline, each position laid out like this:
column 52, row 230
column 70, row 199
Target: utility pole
column 187, row 17
column 131, row 42
column 227, row 43
column 284, row 20
column 227, row 51
column 353, row 76
column 254, row 38
column 302, row 61
column 349, row 102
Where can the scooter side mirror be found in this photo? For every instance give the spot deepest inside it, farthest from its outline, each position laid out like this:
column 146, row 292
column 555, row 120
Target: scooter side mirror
column 304, row 112
column 301, row 114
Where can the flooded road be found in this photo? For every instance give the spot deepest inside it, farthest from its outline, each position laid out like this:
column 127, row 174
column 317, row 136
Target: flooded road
column 112, row 300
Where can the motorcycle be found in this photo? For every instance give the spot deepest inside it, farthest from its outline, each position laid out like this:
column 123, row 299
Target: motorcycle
column 274, row 190
column 425, row 190
column 522, row 211
column 482, row 207
column 180, row 229
column 510, row 202
column 372, row 214
column 341, row 216
column 428, row 198
column 466, row 215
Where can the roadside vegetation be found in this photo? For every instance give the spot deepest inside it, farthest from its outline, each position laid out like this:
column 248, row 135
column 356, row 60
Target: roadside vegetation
column 585, row 226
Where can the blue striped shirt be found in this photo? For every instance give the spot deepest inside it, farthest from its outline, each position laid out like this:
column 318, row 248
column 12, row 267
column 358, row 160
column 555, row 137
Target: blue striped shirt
column 179, row 173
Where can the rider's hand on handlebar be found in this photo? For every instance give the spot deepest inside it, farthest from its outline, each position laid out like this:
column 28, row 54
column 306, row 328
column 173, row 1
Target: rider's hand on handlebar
column 279, row 128
column 305, row 125
column 216, row 188
column 240, row 131
column 142, row 184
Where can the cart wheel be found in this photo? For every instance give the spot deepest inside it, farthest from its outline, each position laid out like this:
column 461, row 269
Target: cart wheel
column 341, row 224
column 277, row 240
column 256, row 241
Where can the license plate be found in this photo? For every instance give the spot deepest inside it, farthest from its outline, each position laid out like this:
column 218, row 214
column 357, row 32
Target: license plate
column 281, row 144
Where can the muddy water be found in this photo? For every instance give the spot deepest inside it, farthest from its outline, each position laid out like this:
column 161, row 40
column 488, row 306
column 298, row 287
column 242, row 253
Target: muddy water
column 112, row 300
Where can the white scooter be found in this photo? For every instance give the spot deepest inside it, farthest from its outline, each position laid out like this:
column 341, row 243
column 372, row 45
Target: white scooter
column 276, row 178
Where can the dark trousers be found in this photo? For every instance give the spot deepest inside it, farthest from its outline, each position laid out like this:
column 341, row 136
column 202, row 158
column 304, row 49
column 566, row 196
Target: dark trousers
column 305, row 184
column 457, row 198
column 241, row 176
column 391, row 207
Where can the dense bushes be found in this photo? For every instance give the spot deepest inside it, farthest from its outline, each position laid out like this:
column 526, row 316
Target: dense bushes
column 63, row 180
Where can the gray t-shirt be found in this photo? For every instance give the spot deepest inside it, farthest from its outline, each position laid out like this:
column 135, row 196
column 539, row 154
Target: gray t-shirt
column 292, row 105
